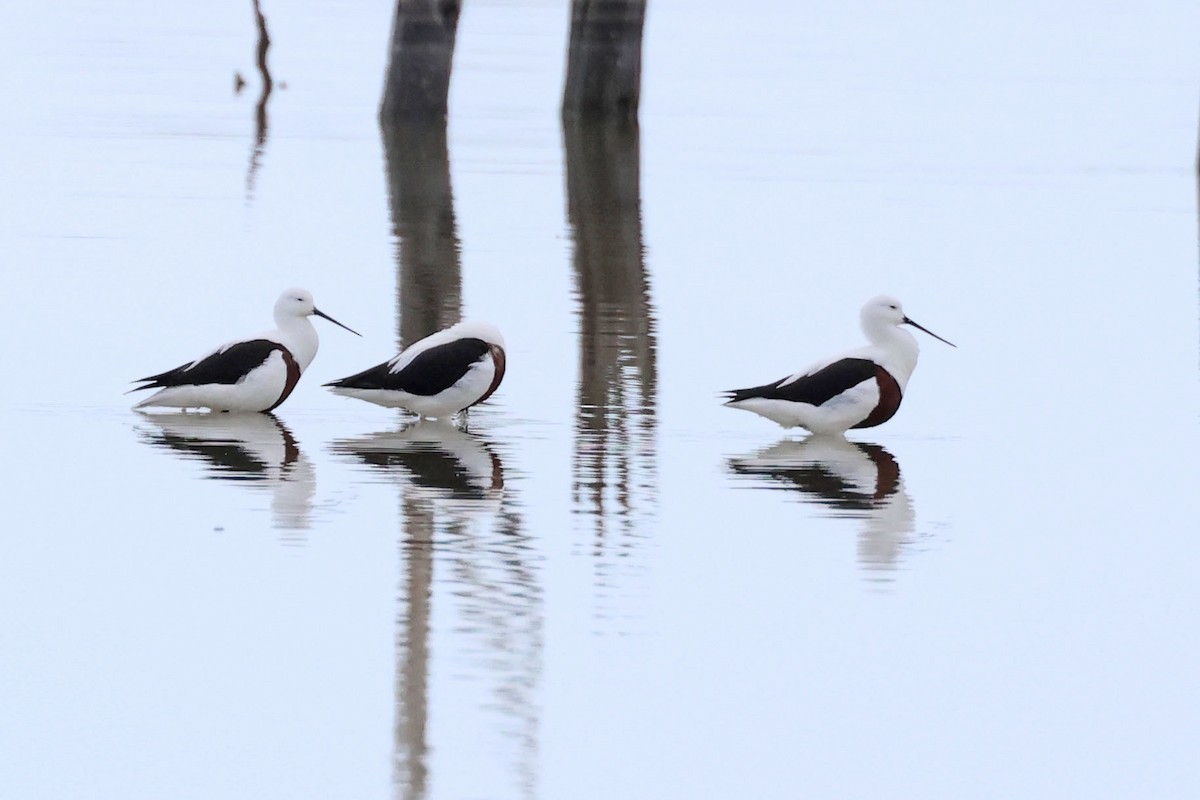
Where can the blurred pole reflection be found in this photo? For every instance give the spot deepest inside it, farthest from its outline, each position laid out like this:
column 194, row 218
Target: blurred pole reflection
column 429, row 273
column 256, row 450
column 260, row 108
column 850, row 479
column 428, row 297
column 411, row 745
column 614, row 470
column 464, row 548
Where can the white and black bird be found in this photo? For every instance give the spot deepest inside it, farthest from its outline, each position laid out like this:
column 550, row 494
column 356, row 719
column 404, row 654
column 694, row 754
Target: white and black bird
column 436, row 377
column 858, row 389
column 252, row 374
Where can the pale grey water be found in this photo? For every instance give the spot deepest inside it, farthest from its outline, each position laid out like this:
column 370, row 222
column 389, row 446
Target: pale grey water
column 612, row 587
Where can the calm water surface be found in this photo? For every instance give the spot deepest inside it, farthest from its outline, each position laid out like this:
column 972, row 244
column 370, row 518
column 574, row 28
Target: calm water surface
column 609, row 586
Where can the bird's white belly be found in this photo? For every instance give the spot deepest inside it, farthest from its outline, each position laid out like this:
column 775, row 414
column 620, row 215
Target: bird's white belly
column 466, row 391
column 835, row 415
column 846, row 410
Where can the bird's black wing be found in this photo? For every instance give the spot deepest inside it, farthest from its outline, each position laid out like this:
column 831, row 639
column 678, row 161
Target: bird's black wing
column 226, row 366
column 430, row 372
column 815, row 388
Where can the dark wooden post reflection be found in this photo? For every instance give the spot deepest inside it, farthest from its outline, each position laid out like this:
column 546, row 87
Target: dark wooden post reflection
column 260, row 108
column 429, row 272
column 410, row 772
column 428, row 297
column 615, row 426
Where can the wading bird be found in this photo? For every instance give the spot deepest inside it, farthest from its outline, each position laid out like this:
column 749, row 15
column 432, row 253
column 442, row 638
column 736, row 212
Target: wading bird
column 252, row 374
column 436, row 377
column 858, row 389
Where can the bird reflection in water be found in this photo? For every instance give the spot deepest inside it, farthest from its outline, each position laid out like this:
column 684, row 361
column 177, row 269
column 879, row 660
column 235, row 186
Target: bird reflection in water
column 436, row 462
column 614, row 469
column 256, row 449
column 463, row 549
column 858, row 480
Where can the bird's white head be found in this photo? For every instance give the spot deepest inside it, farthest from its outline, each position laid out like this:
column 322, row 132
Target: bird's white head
column 298, row 303
column 882, row 310
column 881, row 317
column 294, row 303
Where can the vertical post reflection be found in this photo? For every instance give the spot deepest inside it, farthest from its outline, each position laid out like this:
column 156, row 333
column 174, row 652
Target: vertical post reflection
column 463, row 549
column 260, row 108
column 412, row 652
column 428, row 297
column 614, row 474
column 429, row 272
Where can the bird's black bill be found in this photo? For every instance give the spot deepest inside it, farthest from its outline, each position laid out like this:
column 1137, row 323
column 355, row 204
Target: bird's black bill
column 908, row 321
column 323, row 315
